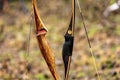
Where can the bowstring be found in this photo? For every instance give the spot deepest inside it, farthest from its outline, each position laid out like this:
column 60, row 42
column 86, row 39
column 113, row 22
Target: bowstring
column 29, row 37
column 90, row 47
column 28, row 43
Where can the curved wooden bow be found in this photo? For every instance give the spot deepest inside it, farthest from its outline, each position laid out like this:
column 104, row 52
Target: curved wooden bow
column 68, row 45
column 46, row 51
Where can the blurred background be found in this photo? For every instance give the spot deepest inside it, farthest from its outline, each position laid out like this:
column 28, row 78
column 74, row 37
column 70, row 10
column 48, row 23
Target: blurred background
column 103, row 25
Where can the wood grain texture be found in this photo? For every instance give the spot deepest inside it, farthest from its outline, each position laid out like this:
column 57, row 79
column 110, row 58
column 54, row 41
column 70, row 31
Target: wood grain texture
column 43, row 44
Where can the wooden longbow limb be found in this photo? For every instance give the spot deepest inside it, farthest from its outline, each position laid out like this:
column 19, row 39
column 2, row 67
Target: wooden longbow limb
column 46, row 51
column 69, row 41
